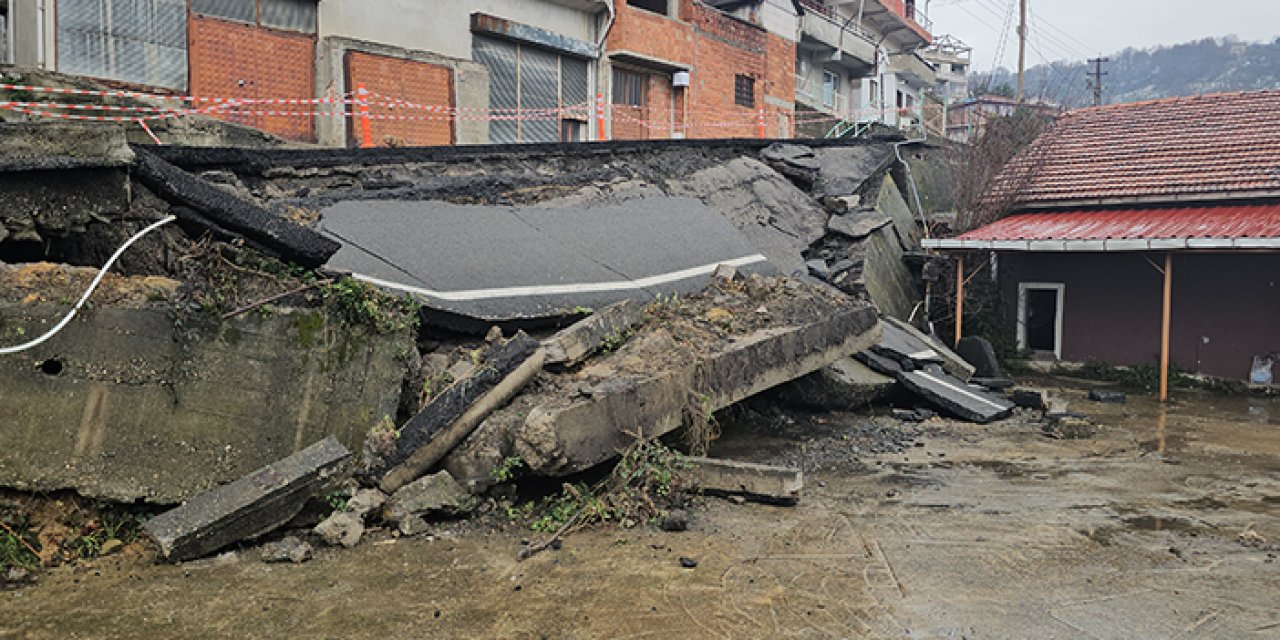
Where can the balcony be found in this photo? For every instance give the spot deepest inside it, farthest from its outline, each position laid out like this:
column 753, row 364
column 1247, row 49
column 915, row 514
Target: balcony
column 913, row 68
column 836, row 39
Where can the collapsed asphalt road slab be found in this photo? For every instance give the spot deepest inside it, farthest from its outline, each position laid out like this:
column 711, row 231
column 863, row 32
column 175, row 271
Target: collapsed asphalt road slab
column 692, row 356
column 504, row 263
column 247, row 508
column 955, row 397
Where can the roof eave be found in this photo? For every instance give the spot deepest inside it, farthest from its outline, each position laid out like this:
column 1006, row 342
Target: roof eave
column 1165, row 199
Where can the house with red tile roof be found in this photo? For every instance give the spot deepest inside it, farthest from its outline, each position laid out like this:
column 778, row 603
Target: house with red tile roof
column 1142, row 234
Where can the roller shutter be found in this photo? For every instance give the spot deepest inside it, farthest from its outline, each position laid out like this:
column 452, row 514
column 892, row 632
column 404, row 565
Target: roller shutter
column 530, row 89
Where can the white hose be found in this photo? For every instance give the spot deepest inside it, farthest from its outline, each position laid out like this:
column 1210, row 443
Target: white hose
column 93, row 285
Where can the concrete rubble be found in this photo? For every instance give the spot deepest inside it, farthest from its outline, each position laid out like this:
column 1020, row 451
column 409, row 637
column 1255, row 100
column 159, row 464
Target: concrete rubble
column 252, row 506
column 757, row 481
column 718, row 271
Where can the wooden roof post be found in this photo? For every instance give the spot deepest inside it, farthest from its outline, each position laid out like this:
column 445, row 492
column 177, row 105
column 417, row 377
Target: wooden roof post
column 959, row 298
column 1164, row 327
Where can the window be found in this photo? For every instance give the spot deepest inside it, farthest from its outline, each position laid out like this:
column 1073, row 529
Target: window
column 958, row 69
column 1040, row 317
column 630, row 88
column 744, row 90
column 656, row 6
column 291, row 15
column 136, row 41
column 830, row 88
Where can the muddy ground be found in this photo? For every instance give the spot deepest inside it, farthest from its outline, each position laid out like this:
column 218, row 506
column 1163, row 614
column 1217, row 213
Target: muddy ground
column 938, row 530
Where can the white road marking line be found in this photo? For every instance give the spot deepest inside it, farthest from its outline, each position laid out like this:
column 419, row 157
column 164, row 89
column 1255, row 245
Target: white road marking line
column 966, row 392
column 560, row 289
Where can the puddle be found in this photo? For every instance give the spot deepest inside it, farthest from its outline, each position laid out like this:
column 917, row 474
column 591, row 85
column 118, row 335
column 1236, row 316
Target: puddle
column 1158, row 523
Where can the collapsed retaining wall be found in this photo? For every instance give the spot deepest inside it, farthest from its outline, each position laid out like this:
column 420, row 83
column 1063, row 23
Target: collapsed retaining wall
column 132, row 401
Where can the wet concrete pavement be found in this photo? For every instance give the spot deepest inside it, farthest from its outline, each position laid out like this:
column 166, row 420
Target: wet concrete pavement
column 970, row 531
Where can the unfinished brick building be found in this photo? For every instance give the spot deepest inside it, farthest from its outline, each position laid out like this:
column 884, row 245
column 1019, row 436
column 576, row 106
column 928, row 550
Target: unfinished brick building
column 681, row 68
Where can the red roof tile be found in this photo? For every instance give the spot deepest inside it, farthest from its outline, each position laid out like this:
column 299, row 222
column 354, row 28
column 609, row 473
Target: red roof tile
column 1204, row 146
column 1247, row 221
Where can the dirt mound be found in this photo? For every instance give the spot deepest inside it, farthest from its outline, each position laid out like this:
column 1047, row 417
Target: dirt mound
column 49, row 283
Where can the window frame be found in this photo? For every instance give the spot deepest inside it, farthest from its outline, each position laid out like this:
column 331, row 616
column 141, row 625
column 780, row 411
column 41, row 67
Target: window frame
column 634, row 87
column 744, row 90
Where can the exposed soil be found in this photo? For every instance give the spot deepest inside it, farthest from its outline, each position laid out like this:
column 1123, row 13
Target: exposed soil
column 1164, row 524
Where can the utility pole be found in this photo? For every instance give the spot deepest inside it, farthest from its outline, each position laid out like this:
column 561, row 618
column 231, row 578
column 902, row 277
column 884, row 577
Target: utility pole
column 1022, row 44
column 1095, row 81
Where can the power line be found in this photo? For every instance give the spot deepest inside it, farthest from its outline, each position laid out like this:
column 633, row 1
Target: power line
column 1085, row 47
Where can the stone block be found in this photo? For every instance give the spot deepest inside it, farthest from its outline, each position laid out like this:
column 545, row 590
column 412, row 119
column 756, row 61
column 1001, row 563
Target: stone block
column 247, row 508
column 725, row 477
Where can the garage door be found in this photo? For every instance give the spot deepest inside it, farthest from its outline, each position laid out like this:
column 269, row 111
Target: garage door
column 535, row 94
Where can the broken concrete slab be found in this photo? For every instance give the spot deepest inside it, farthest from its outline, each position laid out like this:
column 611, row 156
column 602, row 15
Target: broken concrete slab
column 130, row 405
column 954, row 396
column 437, row 493
column 859, row 224
column 761, row 481
column 44, row 146
column 231, row 213
column 845, row 385
column 249, row 507
column 567, row 435
column 951, row 363
column 844, row 170
column 572, row 345
column 455, row 412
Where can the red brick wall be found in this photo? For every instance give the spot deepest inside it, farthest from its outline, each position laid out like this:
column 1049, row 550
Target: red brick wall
column 233, row 60
column 717, row 48
column 414, row 82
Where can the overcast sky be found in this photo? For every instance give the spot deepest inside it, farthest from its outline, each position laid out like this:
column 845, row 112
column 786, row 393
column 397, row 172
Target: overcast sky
column 1079, row 29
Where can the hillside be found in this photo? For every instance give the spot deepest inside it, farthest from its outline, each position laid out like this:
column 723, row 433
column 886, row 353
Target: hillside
column 1205, row 66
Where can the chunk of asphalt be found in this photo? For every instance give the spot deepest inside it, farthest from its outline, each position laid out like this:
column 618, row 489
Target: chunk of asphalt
column 496, row 363
column 249, row 507
column 954, row 396
column 1106, row 395
column 231, row 213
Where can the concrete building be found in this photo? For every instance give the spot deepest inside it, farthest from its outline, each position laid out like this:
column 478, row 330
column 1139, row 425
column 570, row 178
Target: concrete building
column 433, row 69
column 532, row 63
column 685, row 68
column 951, row 62
column 858, row 61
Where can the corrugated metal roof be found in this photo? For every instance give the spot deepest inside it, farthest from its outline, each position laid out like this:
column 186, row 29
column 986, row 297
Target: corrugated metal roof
column 1244, row 221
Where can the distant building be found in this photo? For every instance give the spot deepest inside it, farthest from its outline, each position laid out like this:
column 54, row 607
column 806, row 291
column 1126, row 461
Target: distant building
column 1135, row 226
column 951, row 61
column 967, row 118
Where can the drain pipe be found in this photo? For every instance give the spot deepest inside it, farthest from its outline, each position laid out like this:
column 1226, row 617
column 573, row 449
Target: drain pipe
column 93, row 285
column 911, row 181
